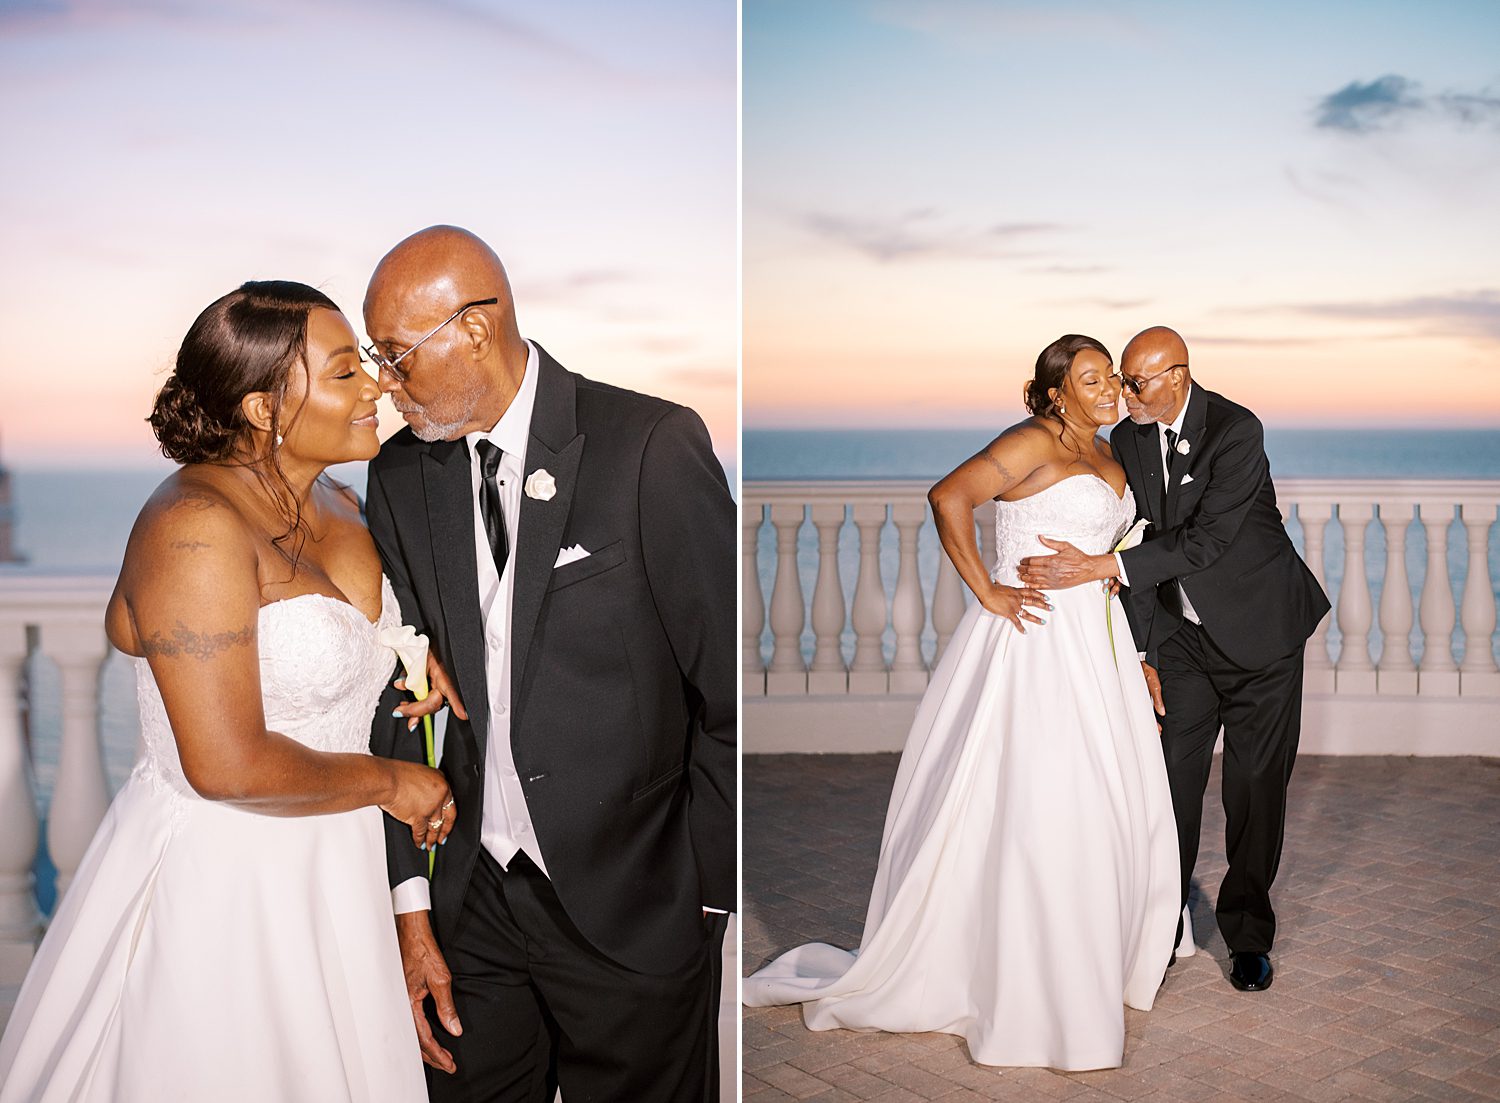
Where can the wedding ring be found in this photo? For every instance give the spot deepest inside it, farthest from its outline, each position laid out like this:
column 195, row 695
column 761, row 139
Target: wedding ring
column 447, row 806
column 434, row 824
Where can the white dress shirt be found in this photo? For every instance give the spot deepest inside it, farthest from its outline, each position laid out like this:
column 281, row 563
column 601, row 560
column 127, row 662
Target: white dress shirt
column 505, row 828
column 1161, row 439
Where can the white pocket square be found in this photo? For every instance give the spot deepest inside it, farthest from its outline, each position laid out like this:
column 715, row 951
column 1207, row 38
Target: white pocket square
column 570, row 555
column 1185, row 480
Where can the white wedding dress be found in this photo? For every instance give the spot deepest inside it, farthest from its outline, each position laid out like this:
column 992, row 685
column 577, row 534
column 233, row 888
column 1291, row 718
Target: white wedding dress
column 1028, row 886
column 207, row 953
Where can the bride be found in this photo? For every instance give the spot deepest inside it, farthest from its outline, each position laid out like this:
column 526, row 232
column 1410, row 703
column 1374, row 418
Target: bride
column 229, row 935
column 1027, row 888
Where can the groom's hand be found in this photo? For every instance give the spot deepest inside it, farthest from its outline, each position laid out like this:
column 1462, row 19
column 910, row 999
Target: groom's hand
column 1069, row 567
column 440, row 691
column 1153, row 683
column 427, row 975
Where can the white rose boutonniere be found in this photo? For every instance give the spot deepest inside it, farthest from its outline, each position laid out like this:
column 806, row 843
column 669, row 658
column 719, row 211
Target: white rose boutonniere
column 1183, row 448
column 1131, row 537
column 541, row 485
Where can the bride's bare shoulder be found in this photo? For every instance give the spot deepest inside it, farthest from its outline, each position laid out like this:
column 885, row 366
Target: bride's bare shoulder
column 189, row 516
column 1032, row 439
column 187, row 501
column 191, row 538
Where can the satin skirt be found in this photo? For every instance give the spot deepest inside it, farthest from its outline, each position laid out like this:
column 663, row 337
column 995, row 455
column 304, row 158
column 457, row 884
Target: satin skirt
column 203, row 952
column 1027, row 889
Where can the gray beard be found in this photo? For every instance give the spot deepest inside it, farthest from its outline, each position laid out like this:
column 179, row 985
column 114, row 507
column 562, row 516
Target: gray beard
column 429, row 429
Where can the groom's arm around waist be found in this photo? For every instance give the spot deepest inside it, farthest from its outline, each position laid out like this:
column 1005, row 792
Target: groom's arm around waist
column 687, row 526
column 1238, row 471
column 388, row 734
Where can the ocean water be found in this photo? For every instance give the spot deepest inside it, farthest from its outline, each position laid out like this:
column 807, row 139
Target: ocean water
column 928, row 454
column 1294, row 453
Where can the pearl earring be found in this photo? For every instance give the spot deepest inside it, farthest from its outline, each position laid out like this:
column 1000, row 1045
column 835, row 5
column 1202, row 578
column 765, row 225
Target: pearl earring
column 279, row 439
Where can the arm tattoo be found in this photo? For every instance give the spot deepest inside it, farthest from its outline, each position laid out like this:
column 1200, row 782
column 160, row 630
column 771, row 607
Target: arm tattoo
column 190, row 545
column 998, row 466
column 184, row 641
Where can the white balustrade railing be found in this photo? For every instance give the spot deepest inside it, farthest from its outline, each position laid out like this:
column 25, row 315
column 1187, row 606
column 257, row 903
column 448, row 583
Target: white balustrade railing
column 65, row 616
column 889, row 616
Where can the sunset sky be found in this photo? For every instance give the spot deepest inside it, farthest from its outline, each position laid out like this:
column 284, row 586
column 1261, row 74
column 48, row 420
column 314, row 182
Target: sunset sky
column 160, row 152
column 934, row 191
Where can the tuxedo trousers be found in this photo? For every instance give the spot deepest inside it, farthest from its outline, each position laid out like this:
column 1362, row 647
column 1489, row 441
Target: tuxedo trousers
column 542, row 1009
column 1261, row 714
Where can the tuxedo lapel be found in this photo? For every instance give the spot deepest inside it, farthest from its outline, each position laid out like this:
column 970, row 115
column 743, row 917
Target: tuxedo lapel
column 448, row 483
column 1193, row 424
column 555, row 446
column 1148, row 462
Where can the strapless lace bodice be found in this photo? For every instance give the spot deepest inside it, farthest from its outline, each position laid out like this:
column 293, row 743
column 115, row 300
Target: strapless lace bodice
column 322, row 670
column 1081, row 509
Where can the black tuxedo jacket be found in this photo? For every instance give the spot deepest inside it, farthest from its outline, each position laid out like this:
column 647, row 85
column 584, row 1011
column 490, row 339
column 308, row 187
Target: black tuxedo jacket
column 623, row 664
column 1220, row 535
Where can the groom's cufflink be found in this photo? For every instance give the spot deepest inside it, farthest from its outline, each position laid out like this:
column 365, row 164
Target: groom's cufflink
column 570, row 555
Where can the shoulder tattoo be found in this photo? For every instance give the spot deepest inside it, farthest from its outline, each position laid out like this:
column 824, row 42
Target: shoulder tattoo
column 196, row 500
column 196, row 645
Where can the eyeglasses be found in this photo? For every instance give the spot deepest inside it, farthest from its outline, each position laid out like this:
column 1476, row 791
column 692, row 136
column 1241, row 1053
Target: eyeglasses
column 388, row 364
column 1138, row 385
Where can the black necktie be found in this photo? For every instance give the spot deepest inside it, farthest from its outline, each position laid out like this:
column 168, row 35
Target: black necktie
column 489, row 504
column 1170, row 595
column 1171, row 458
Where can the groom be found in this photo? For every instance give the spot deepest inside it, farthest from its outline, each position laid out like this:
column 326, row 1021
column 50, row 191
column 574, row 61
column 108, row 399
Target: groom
column 568, row 547
column 1221, row 605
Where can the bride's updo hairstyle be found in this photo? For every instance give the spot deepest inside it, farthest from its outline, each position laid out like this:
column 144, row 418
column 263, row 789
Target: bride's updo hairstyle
column 1052, row 368
column 245, row 342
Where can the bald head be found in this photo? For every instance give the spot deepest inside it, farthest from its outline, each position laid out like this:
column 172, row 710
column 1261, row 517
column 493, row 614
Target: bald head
column 1156, row 360
column 435, row 271
column 1155, row 348
column 456, row 372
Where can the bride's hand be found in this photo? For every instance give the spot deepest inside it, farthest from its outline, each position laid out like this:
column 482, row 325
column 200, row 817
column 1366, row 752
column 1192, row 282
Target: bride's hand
column 1011, row 603
column 423, row 802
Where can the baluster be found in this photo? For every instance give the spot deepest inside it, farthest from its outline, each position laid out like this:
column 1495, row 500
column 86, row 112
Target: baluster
column 1317, row 670
column 788, row 670
column 1479, row 674
column 1355, row 672
column 753, row 600
column 1397, row 673
column 908, row 613
column 1438, row 674
column 81, row 793
column 19, row 922
column 986, row 516
column 947, row 604
column 828, row 673
column 867, row 673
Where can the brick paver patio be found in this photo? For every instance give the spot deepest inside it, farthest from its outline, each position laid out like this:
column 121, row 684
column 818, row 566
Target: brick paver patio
column 1387, row 957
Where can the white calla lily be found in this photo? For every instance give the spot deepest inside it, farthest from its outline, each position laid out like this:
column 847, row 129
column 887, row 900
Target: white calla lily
column 411, row 647
column 1129, row 539
column 1133, row 535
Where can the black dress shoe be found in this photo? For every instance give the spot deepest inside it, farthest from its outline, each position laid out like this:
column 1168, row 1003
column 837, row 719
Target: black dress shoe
column 1250, row 970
